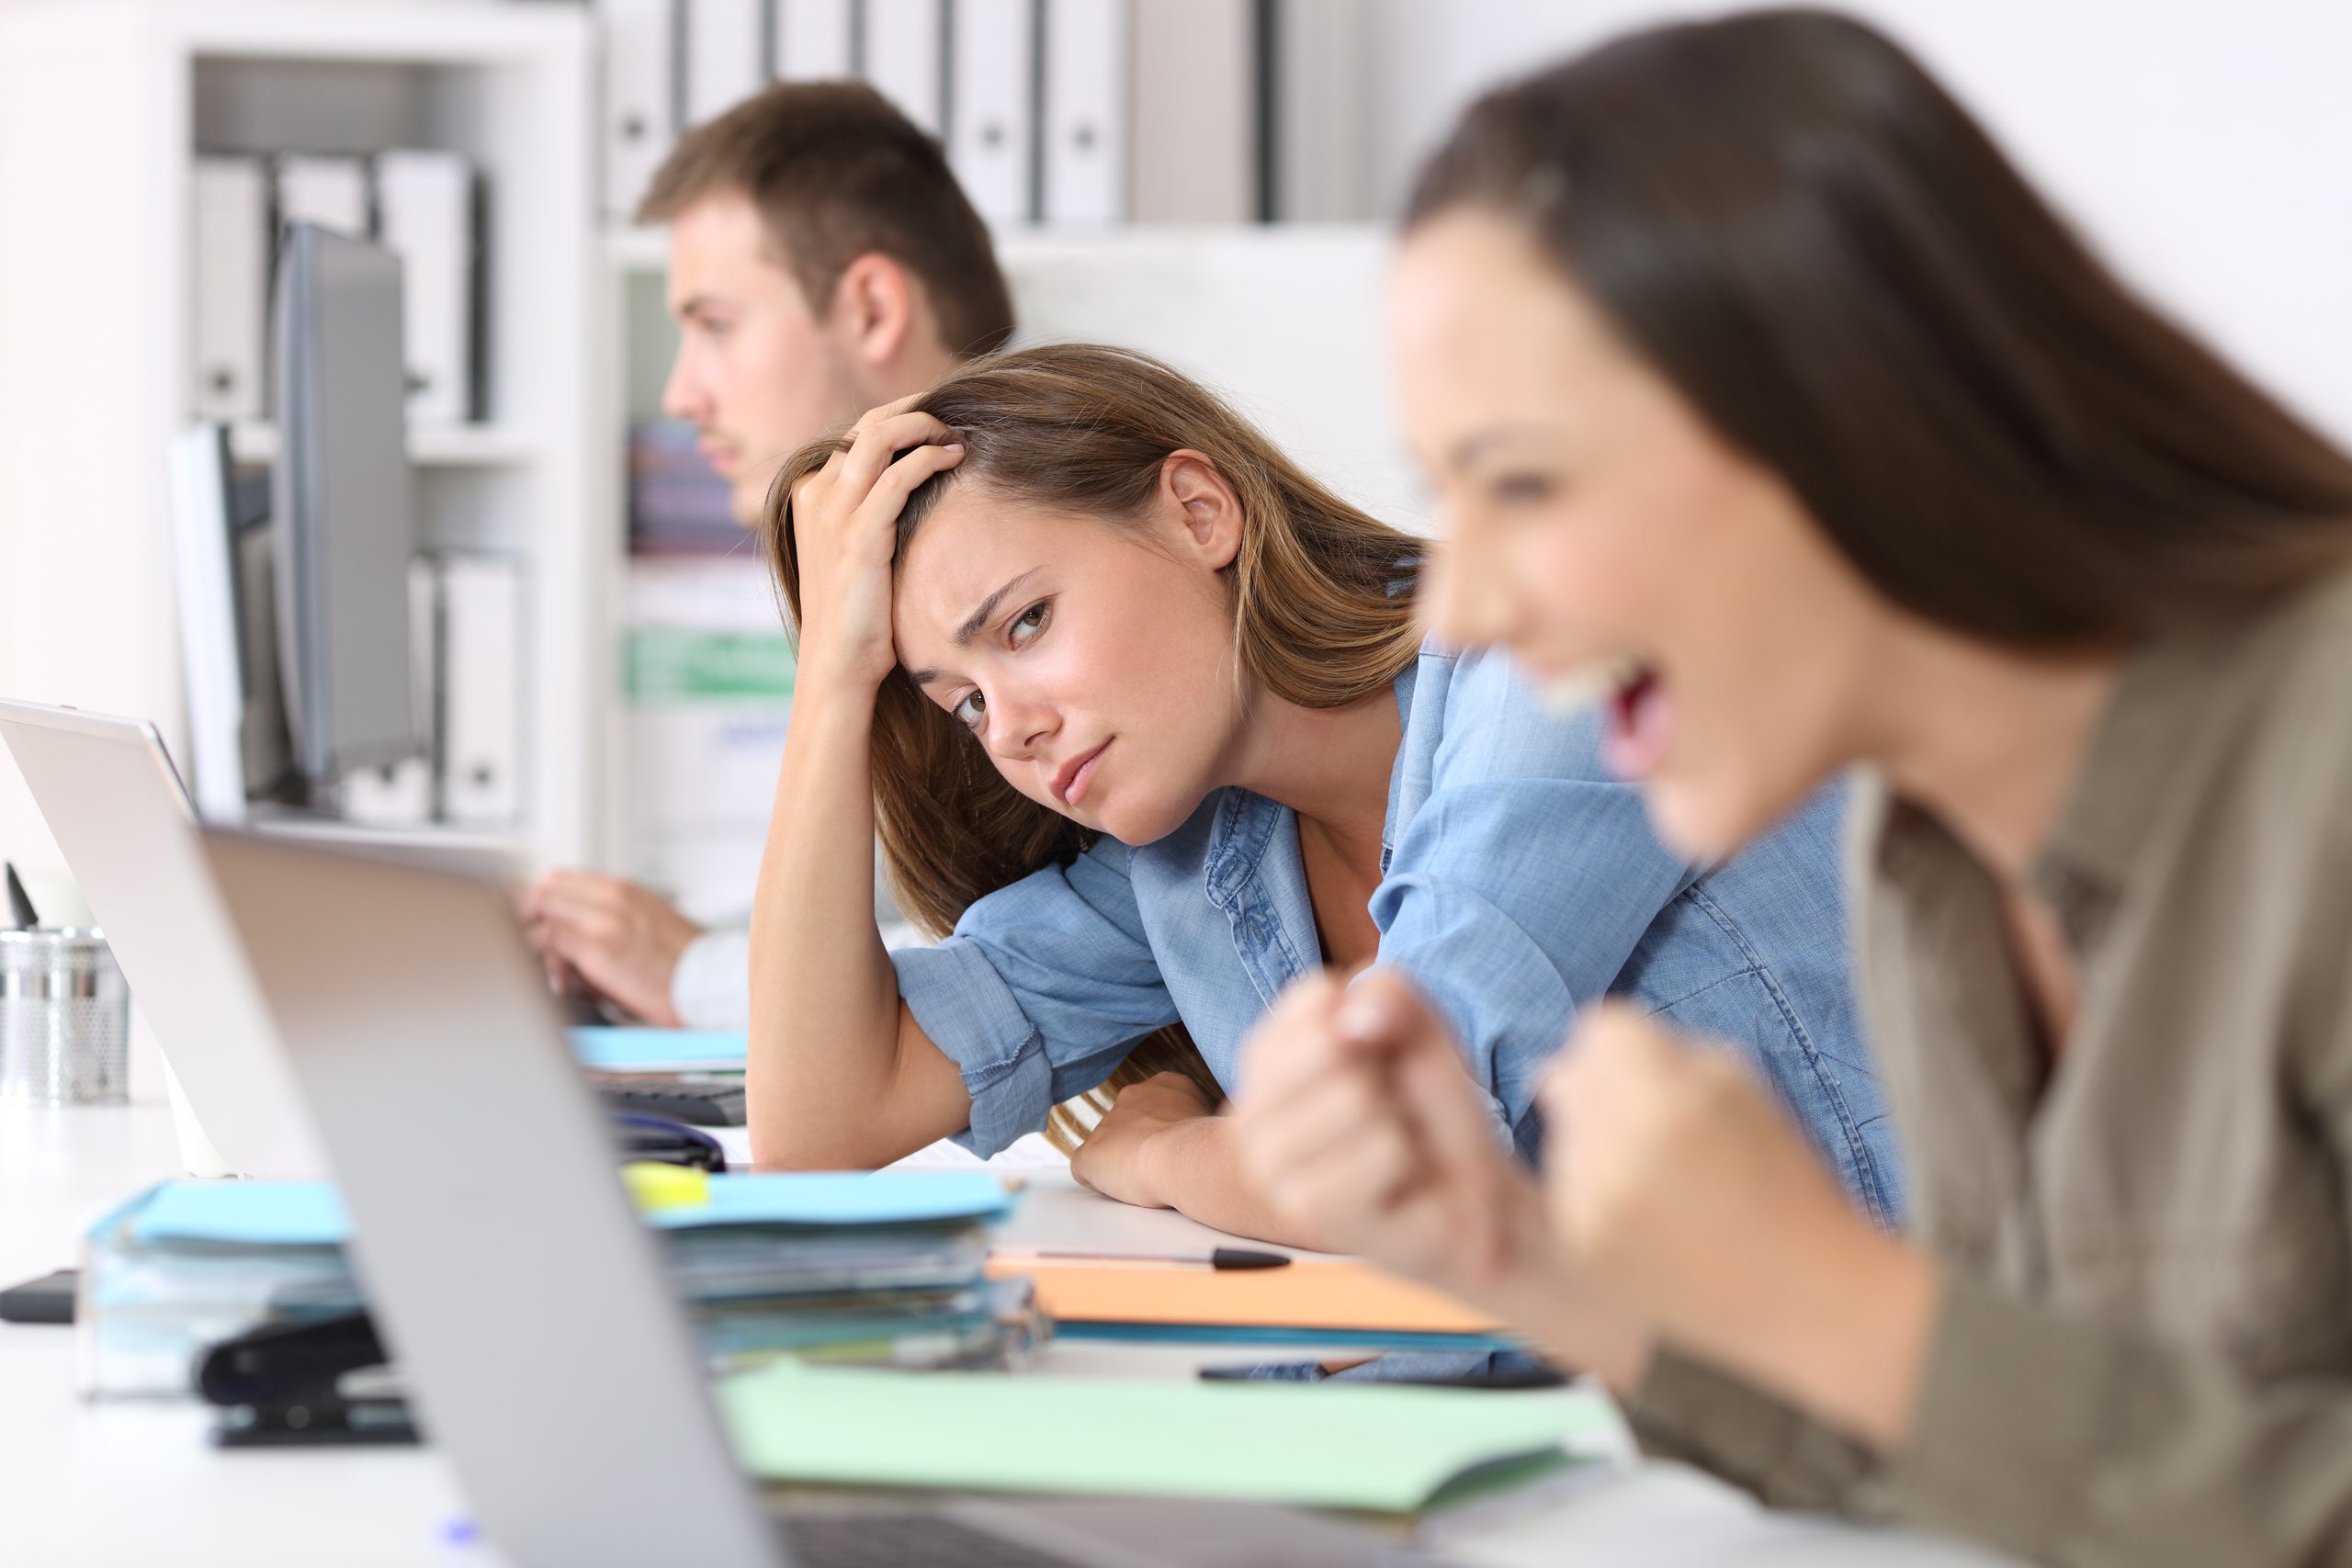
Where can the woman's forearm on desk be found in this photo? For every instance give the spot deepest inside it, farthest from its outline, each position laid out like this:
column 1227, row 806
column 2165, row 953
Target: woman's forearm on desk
column 1201, row 1177
column 825, row 1086
column 1186, row 1162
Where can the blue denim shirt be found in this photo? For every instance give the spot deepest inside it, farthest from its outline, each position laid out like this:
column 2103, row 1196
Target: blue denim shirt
column 1521, row 883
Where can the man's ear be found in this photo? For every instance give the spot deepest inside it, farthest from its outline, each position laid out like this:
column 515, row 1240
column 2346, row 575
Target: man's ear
column 876, row 310
column 1208, row 506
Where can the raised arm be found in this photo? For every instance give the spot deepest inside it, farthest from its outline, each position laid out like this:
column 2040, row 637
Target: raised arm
column 839, row 1074
column 1357, row 1124
column 1824, row 1364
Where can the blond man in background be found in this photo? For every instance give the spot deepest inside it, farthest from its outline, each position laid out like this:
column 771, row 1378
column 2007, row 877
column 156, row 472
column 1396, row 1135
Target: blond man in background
column 823, row 260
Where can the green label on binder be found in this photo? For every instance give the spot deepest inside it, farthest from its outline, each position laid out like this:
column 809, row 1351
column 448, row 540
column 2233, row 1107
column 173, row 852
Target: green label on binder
column 678, row 664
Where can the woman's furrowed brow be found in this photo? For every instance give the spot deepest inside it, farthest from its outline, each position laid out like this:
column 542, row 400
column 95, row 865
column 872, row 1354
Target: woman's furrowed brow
column 986, row 612
column 981, row 616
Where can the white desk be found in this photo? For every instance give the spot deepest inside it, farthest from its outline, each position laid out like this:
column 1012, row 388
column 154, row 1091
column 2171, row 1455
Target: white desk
column 139, row 1485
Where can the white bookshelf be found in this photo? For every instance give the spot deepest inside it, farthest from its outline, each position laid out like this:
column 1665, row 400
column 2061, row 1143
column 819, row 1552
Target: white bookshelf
column 103, row 103
column 475, row 445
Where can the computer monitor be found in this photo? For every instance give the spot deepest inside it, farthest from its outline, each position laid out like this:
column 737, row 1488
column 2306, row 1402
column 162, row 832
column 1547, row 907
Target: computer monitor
column 343, row 512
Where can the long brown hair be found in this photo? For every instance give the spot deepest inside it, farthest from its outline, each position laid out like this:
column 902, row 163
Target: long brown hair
column 1322, row 612
column 1789, row 218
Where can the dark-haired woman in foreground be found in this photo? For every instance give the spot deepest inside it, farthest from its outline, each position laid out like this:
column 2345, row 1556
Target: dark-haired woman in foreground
column 1751, row 373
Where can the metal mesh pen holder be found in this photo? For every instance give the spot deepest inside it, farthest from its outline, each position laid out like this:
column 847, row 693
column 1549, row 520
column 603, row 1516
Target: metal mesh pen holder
column 65, row 1018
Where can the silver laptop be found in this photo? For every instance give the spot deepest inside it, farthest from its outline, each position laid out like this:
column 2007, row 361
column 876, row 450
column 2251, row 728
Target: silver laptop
column 116, row 807
column 524, row 1301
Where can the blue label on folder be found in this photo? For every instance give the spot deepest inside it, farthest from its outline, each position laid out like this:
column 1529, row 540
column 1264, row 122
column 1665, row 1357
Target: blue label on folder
column 309, row 1214
column 614, row 1050
column 842, row 1198
column 249, row 1213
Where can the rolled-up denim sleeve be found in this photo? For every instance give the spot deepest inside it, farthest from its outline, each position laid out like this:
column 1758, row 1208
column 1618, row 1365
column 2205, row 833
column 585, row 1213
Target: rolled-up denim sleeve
column 1040, row 992
column 1522, row 885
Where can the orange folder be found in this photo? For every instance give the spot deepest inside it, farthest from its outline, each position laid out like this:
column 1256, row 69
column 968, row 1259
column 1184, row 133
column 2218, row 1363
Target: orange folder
column 1338, row 1295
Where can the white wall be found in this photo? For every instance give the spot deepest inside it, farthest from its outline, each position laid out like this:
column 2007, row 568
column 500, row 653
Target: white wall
column 2204, row 145
column 1285, row 322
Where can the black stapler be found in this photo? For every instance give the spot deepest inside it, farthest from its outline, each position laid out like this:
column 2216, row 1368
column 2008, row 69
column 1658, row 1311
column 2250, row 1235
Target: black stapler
column 323, row 1381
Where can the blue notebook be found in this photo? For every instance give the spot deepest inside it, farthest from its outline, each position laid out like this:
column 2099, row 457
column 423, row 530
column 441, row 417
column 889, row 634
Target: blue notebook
column 309, row 1214
column 1257, row 1334
column 611, row 1050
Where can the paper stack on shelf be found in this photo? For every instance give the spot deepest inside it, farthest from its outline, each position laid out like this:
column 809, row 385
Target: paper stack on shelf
column 678, row 504
column 882, row 1269
column 708, row 674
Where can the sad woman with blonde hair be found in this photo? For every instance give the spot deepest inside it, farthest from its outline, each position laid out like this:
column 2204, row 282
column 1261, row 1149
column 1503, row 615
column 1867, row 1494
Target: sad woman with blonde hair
column 1148, row 729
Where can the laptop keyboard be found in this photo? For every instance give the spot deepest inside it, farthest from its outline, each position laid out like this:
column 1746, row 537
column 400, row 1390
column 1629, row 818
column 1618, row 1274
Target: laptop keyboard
column 696, row 1104
column 902, row 1539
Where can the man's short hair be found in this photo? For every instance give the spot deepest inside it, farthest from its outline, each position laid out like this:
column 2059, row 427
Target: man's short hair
column 837, row 173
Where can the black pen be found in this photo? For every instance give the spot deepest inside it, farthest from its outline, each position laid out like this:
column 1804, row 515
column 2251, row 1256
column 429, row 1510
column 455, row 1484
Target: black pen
column 20, row 908
column 1224, row 1259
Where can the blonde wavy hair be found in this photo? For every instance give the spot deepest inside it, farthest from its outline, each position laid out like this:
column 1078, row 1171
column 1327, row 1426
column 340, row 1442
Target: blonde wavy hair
column 1322, row 615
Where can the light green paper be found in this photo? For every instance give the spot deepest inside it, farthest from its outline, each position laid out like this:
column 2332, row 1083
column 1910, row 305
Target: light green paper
column 1369, row 1447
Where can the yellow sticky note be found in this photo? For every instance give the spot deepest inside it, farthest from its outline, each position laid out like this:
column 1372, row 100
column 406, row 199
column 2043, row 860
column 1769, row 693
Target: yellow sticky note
column 655, row 1185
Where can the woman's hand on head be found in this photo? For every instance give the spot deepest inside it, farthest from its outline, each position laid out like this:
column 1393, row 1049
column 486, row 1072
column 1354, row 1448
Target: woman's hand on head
column 844, row 531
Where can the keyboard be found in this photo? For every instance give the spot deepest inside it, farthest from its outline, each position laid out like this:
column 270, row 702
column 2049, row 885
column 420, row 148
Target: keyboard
column 696, row 1104
column 900, row 1540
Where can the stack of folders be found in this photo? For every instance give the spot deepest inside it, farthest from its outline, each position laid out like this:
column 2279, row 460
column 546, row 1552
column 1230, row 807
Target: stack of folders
column 678, row 504
column 884, row 1270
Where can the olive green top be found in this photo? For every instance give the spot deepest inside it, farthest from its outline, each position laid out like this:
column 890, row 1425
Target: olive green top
column 2145, row 1352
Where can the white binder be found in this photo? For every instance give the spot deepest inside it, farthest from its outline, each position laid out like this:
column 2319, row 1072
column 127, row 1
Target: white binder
column 231, row 202
column 204, row 570
column 816, row 40
column 1085, row 129
column 398, row 795
column 425, row 204
column 1192, row 112
column 401, row 794
column 640, row 118
column 481, row 655
column 330, row 192
column 726, row 43
column 903, row 42
column 991, row 132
